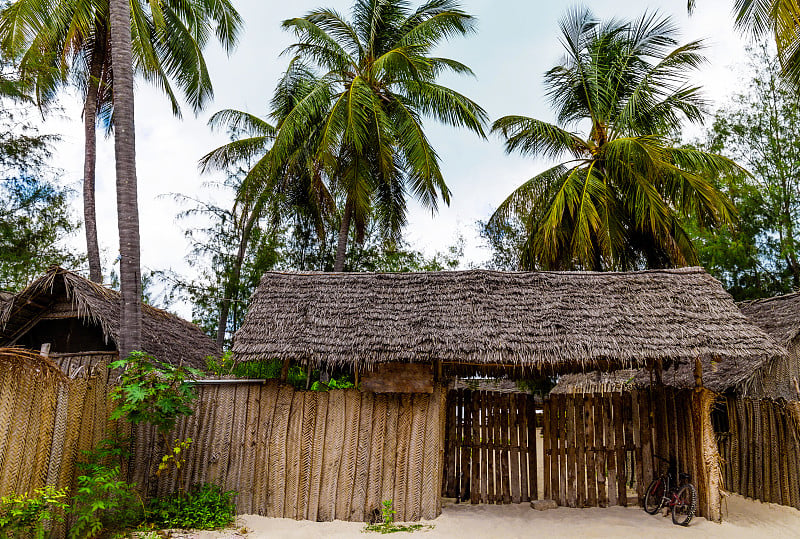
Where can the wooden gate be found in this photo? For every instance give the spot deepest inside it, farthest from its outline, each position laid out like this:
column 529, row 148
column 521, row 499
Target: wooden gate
column 490, row 447
column 595, row 447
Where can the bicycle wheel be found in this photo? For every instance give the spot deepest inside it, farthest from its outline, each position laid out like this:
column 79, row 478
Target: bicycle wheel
column 654, row 495
column 685, row 505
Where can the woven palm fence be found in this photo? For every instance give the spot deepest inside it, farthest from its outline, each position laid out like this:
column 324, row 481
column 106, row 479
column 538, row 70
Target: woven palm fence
column 761, row 450
column 48, row 420
column 309, row 455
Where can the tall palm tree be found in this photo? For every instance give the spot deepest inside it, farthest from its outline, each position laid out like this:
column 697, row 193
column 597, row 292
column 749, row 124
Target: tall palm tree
column 619, row 201
column 297, row 182
column 69, row 40
column 377, row 81
column 130, row 325
column 779, row 19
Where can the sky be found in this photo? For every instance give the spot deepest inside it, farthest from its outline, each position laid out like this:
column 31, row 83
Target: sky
column 516, row 42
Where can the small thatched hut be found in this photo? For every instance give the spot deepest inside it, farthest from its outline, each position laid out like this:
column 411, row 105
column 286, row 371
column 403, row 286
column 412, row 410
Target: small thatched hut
column 779, row 317
column 420, row 328
column 79, row 320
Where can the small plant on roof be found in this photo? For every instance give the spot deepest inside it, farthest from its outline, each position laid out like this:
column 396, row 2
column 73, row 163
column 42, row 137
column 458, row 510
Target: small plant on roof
column 389, row 526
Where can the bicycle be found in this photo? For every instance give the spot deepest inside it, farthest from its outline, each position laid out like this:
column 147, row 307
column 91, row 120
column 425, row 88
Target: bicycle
column 680, row 499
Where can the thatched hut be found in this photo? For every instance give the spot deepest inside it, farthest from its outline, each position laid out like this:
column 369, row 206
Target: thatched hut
column 77, row 323
column 779, row 317
column 406, row 333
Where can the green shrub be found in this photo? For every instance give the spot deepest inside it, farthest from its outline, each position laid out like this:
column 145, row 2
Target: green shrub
column 102, row 500
column 22, row 515
column 203, row 507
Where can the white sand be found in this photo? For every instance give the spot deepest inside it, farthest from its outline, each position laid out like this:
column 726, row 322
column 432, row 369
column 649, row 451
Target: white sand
column 745, row 518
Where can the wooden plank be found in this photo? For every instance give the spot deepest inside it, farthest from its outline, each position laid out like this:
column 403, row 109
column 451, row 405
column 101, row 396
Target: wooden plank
column 562, row 448
column 515, row 470
column 600, row 454
column 492, row 483
column 458, row 397
column 466, row 440
column 482, row 449
column 637, row 442
column 246, row 496
column 449, row 480
column 571, row 454
column 317, row 455
column 525, row 441
column 362, row 460
column 399, row 378
column 474, row 448
column 277, row 453
column 591, row 451
column 611, row 454
column 547, row 451
column 580, row 449
column 619, row 440
column 533, row 443
column 504, row 448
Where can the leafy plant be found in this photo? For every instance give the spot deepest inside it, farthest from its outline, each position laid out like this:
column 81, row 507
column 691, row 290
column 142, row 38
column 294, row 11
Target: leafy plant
column 151, row 391
column 176, row 457
column 389, row 526
column 204, row 507
column 22, row 515
column 103, row 501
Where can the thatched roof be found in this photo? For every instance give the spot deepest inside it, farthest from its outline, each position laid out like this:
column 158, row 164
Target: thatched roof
column 164, row 335
column 545, row 321
column 779, row 316
column 597, row 382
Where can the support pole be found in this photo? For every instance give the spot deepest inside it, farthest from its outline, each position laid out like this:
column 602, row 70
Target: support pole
column 709, row 480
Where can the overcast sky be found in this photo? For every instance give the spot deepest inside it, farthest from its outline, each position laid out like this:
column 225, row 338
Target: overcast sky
column 516, row 42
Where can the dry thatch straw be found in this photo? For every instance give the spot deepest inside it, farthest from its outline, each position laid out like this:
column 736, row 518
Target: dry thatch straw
column 534, row 321
column 164, row 335
column 34, row 365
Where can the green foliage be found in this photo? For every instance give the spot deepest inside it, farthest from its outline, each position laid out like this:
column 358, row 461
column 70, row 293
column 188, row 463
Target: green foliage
column 297, row 376
column 203, row 507
column 103, row 501
column 24, row 515
column 35, row 213
column 153, row 392
column 619, row 198
column 175, row 458
column 388, row 524
column 760, row 257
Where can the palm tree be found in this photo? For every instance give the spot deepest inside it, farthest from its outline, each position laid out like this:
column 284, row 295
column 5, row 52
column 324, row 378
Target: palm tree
column 295, row 185
column 377, row 81
column 778, row 18
column 620, row 201
column 54, row 41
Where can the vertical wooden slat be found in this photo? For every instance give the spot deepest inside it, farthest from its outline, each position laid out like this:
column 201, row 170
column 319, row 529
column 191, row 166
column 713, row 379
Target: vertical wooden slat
column 504, row 448
column 591, row 451
column 491, row 463
column 474, row 448
column 416, row 457
column 570, row 437
column 466, row 441
column 611, row 455
column 331, row 455
column 533, row 443
column 515, row 471
column 759, row 447
column 432, row 454
column 638, row 444
column 563, row 465
column 449, row 480
column 547, row 451
column 580, row 447
column 619, row 440
column 484, row 450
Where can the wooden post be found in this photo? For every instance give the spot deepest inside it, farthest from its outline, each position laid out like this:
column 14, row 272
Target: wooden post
column 709, row 479
column 285, row 370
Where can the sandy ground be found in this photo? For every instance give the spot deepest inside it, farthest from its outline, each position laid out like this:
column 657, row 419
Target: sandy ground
column 745, row 518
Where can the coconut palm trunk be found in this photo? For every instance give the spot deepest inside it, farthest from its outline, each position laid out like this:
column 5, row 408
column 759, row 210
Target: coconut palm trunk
column 344, row 231
column 130, row 331
column 90, row 158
